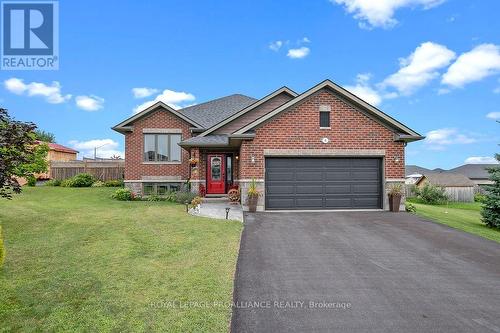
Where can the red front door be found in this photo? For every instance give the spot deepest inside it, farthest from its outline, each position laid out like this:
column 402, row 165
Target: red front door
column 216, row 174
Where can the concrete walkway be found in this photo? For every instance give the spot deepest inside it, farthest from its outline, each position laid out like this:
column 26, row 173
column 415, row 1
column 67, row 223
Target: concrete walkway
column 217, row 210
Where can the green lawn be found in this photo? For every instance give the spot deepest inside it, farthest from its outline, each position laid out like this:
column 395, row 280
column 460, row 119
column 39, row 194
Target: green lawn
column 463, row 216
column 80, row 261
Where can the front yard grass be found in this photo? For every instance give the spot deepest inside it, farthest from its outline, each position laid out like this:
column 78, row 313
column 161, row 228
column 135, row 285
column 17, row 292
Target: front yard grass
column 459, row 215
column 79, row 261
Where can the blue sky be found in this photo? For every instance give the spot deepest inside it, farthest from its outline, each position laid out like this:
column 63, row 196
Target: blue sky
column 432, row 64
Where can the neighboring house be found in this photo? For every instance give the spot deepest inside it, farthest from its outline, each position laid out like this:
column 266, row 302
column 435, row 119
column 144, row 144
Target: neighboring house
column 57, row 153
column 323, row 149
column 414, row 173
column 478, row 173
column 457, row 186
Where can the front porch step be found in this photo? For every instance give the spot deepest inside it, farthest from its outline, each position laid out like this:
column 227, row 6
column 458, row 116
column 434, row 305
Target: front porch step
column 215, row 198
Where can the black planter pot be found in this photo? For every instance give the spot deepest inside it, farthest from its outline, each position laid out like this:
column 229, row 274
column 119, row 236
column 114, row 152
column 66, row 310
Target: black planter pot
column 252, row 203
column 394, row 202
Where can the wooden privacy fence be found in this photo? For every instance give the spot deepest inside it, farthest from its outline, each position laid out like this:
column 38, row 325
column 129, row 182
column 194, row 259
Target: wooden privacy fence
column 454, row 193
column 102, row 170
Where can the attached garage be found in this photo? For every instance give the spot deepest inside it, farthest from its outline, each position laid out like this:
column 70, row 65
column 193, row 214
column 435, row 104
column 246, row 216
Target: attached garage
column 323, row 183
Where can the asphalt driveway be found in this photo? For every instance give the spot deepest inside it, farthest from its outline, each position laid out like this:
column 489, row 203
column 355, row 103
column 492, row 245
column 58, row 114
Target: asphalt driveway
column 363, row 272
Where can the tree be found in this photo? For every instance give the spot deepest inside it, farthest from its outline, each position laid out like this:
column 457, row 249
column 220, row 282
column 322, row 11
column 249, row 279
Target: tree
column 20, row 156
column 491, row 205
column 45, row 136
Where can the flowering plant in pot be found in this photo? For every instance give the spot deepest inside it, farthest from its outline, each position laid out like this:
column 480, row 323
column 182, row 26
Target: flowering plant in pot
column 395, row 193
column 193, row 161
column 253, row 195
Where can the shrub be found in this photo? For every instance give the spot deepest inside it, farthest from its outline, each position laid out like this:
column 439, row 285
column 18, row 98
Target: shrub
column 479, row 197
column 410, row 208
column 491, row 204
column 123, row 194
column 432, row 195
column 53, row 182
column 2, row 249
column 113, row 183
column 83, row 180
column 31, row 181
column 183, row 197
column 170, row 196
column 98, row 183
column 66, row 182
column 154, row 197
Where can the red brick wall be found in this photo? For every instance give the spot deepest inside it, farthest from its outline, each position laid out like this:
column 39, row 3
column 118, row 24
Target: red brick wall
column 298, row 128
column 134, row 148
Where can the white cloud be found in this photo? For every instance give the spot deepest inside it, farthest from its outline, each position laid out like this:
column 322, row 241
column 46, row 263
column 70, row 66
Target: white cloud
column 419, row 68
column 51, row 93
column 105, row 148
column 89, row 103
column 438, row 139
column 493, row 115
column 143, row 92
column 276, row 45
column 174, row 99
column 363, row 90
column 298, row 53
column 380, row 13
column 480, row 62
column 481, row 160
column 305, row 40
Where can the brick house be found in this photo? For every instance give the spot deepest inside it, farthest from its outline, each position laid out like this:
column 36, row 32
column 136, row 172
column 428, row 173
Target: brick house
column 323, row 149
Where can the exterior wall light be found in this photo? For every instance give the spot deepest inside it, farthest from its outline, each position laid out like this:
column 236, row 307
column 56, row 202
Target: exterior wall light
column 396, row 158
column 252, row 159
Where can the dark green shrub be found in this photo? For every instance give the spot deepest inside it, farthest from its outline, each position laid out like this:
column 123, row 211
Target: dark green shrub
column 31, row 181
column 123, row 194
column 83, row 180
column 53, row 182
column 113, row 183
column 491, row 204
column 2, row 249
column 67, row 182
column 170, row 196
column 479, row 197
column 431, row 195
column 410, row 208
column 154, row 197
column 183, row 197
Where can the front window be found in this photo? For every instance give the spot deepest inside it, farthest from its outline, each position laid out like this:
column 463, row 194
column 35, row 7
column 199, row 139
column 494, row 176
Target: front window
column 160, row 188
column 162, row 148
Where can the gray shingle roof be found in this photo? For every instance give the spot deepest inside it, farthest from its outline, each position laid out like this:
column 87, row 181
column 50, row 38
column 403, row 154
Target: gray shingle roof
column 212, row 112
column 204, row 141
column 447, row 179
column 475, row 171
column 413, row 169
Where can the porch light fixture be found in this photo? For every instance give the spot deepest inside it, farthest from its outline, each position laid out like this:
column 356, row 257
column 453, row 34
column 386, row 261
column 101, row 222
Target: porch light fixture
column 252, row 159
column 396, row 158
column 237, row 157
